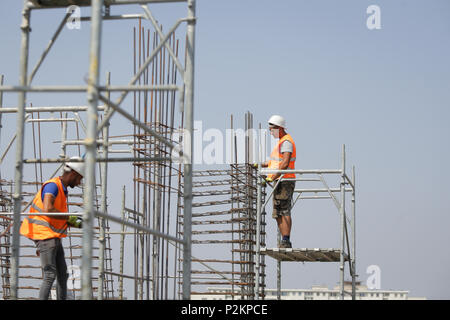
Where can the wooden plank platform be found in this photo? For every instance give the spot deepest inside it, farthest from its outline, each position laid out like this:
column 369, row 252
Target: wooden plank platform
column 60, row 3
column 66, row 3
column 304, row 255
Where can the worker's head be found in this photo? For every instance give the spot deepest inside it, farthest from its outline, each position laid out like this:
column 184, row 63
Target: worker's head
column 277, row 126
column 74, row 172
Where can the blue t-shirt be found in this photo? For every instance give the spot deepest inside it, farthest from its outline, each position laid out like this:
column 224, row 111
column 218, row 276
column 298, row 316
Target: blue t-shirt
column 52, row 188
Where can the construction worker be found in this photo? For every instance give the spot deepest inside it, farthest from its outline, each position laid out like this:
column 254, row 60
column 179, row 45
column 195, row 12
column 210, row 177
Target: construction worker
column 282, row 158
column 48, row 231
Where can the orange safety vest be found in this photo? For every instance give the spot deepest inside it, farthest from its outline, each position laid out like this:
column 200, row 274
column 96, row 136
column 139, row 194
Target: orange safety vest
column 46, row 227
column 276, row 157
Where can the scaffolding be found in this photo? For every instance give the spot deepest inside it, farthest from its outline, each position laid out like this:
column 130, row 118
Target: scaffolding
column 346, row 250
column 218, row 234
column 156, row 156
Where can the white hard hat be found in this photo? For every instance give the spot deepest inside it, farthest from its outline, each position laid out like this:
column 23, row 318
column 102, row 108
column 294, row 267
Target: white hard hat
column 277, row 121
column 76, row 166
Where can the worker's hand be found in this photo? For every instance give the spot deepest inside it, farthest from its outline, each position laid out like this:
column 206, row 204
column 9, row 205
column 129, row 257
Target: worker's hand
column 266, row 180
column 75, row 221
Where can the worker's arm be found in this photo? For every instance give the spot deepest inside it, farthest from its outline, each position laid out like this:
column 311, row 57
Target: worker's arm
column 263, row 164
column 284, row 164
column 49, row 201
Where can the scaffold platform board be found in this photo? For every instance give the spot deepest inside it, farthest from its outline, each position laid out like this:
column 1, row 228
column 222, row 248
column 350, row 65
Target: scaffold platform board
column 67, row 3
column 304, row 255
column 60, row 3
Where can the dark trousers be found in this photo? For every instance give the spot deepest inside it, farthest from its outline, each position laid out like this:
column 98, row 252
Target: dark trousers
column 54, row 267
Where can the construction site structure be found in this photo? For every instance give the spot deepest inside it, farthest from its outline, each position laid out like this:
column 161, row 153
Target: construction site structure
column 178, row 230
column 346, row 250
column 161, row 242
column 224, row 229
column 162, row 81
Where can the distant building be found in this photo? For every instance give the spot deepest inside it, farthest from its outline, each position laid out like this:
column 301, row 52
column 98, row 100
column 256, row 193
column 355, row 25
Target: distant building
column 317, row 293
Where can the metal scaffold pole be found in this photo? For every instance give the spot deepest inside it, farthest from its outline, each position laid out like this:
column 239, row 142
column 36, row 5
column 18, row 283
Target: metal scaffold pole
column 90, row 143
column 342, row 218
column 17, row 196
column 353, row 267
column 189, row 126
column 1, row 104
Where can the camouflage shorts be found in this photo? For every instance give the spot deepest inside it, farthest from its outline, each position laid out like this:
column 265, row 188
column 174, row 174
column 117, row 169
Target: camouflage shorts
column 282, row 199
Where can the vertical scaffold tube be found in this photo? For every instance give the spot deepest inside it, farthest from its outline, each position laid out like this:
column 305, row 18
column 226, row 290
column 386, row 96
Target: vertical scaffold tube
column 103, row 208
column 189, row 124
column 342, row 216
column 353, row 236
column 17, row 196
column 1, row 105
column 90, row 159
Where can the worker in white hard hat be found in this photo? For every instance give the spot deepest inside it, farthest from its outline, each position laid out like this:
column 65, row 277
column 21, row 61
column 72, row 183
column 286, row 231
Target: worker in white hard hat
column 76, row 172
column 282, row 157
column 48, row 231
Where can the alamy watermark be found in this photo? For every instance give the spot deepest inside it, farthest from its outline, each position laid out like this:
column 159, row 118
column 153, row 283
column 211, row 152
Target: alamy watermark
column 74, row 20
column 373, row 281
column 74, row 279
column 214, row 146
column 373, row 22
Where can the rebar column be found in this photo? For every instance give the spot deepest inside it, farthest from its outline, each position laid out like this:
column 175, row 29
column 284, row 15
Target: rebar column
column 91, row 137
column 258, row 230
column 103, row 205
column 18, row 174
column 189, row 126
column 258, row 217
column 122, row 245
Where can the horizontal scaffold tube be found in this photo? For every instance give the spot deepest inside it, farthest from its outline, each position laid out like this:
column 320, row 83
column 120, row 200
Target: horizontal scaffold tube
column 50, row 109
column 142, row 159
column 85, row 88
column 105, row 2
column 139, row 227
column 272, row 171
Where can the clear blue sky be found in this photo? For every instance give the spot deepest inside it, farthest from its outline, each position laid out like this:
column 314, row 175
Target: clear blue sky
column 383, row 93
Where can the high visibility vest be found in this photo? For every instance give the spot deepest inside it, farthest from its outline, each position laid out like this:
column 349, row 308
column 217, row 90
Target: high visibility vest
column 46, row 227
column 276, row 157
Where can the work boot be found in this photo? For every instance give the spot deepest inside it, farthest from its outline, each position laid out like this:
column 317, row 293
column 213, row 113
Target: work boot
column 285, row 244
